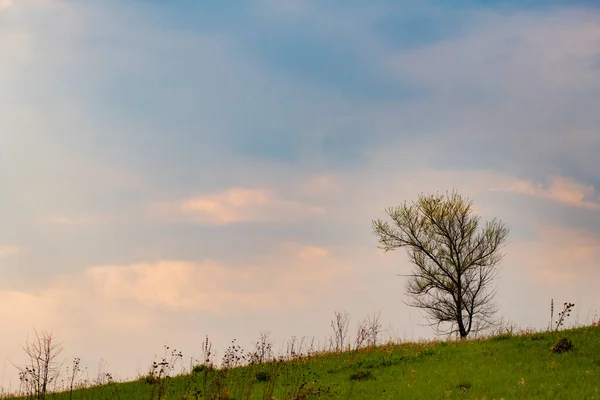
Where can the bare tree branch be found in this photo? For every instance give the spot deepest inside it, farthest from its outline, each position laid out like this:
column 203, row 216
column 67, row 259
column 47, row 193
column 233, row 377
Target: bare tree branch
column 42, row 367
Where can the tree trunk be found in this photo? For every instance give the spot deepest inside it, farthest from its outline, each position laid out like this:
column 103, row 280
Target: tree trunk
column 461, row 326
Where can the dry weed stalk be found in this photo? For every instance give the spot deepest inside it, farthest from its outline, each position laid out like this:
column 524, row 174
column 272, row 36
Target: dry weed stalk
column 340, row 325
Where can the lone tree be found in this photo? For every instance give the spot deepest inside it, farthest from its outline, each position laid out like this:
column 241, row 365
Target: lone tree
column 455, row 259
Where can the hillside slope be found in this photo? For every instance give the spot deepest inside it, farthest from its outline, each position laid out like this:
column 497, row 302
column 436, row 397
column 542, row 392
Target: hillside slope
column 505, row 366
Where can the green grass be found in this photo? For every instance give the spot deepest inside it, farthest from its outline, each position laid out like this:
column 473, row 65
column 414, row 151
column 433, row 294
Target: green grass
column 502, row 367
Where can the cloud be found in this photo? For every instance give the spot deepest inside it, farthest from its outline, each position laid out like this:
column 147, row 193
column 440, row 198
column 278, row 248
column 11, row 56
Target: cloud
column 10, row 250
column 289, row 277
column 39, row 307
column 319, row 186
column 560, row 255
column 572, row 245
column 245, row 205
column 312, row 253
column 561, row 190
column 5, row 4
column 555, row 277
column 510, row 92
column 207, row 286
column 74, row 219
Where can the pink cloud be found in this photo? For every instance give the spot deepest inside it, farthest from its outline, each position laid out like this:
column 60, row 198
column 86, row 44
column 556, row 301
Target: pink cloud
column 561, row 190
column 572, row 245
column 556, row 277
column 36, row 306
column 74, row 219
column 244, row 205
column 288, row 278
column 204, row 286
column 292, row 276
column 559, row 255
column 10, row 250
column 5, row 4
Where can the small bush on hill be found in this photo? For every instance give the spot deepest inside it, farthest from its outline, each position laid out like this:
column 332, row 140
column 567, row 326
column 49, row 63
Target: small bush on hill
column 563, row 345
column 361, row 374
column 263, row 376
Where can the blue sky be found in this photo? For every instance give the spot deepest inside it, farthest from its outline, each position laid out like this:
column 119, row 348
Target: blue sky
column 177, row 169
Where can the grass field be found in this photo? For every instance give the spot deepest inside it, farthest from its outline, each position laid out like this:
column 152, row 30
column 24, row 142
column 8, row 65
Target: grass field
column 501, row 367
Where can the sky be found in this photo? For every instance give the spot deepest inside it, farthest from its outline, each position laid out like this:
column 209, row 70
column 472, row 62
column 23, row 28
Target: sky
column 171, row 170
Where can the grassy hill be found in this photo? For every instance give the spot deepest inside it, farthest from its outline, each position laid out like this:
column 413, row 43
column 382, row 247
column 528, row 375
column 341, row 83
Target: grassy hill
column 501, row 367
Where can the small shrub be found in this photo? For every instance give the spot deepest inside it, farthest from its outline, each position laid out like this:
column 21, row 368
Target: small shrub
column 537, row 336
column 382, row 362
column 426, row 352
column 361, row 374
column 263, row 376
column 562, row 345
column 464, row 386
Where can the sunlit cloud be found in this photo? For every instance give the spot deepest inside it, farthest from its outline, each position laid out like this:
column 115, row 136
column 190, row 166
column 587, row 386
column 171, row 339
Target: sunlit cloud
column 205, row 286
column 312, row 253
column 561, row 190
column 10, row 250
column 217, row 288
column 559, row 255
column 74, row 219
column 555, row 277
column 39, row 307
column 289, row 278
column 5, row 4
column 245, row 205
column 572, row 245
